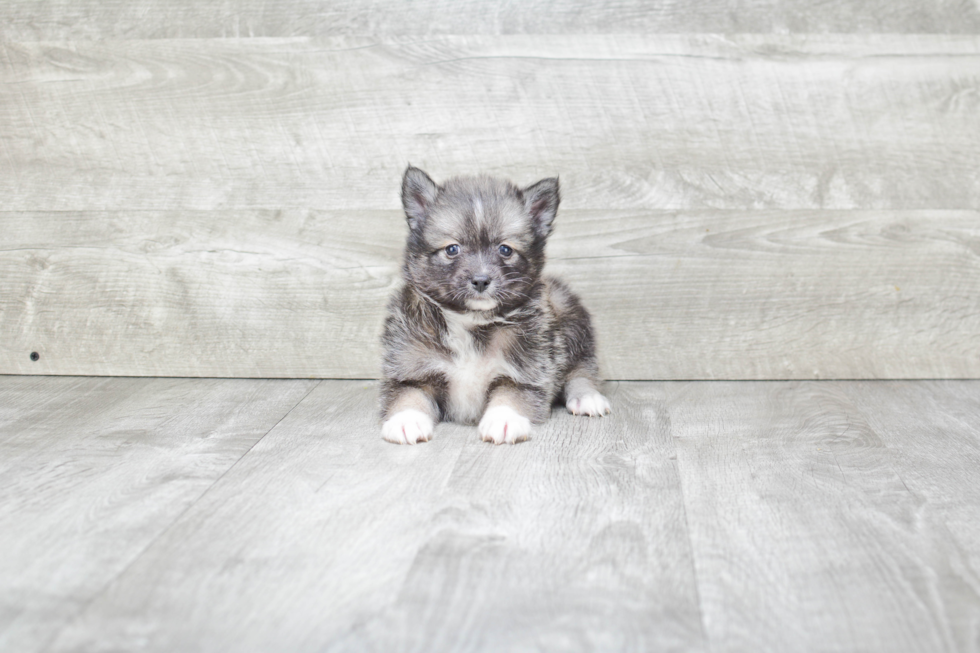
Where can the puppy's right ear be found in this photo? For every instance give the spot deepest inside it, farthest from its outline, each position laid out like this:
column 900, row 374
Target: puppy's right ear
column 418, row 195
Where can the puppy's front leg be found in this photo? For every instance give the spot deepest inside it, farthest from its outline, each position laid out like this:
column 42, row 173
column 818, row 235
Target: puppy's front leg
column 410, row 413
column 510, row 409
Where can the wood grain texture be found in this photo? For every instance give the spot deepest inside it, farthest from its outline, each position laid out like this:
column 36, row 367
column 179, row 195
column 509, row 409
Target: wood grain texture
column 674, row 294
column 672, row 122
column 224, row 207
column 934, row 430
column 62, row 19
column 326, row 538
column 94, row 470
column 724, row 516
column 227, row 294
column 805, row 533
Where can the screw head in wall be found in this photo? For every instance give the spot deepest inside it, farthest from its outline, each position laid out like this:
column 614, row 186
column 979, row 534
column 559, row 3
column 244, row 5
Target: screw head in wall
column 35, row 356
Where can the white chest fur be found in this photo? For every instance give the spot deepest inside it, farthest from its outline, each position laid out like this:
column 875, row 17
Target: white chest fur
column 471, row 368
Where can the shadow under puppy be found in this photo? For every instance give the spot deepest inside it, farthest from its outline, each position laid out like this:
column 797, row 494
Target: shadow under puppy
column 477, row 333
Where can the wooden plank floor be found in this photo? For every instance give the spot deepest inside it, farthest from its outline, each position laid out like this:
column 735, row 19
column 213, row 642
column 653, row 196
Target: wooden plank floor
column 249, row 515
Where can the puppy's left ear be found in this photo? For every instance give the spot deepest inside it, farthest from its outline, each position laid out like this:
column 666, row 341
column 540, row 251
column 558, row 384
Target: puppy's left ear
column 541, row 201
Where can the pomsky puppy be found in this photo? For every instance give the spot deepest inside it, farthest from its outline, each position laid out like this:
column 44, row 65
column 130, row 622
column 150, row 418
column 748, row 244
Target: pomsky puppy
column 477, row 334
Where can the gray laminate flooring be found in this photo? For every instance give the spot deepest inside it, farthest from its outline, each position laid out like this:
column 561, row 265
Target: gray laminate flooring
column 254, row 515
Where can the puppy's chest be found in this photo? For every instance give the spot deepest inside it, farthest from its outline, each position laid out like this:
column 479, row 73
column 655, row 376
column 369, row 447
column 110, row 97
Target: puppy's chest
column 471, row 369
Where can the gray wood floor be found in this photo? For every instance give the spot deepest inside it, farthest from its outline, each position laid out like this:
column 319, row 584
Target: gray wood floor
column 251, row 515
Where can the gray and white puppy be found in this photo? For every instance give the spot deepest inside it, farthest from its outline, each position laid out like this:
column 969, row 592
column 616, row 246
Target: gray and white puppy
column 477, row 333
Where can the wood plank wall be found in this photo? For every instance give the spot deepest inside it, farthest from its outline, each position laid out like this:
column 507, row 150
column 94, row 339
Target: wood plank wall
column 751, row 190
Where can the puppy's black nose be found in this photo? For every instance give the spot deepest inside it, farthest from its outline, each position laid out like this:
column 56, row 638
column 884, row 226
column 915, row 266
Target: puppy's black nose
column 480, row 282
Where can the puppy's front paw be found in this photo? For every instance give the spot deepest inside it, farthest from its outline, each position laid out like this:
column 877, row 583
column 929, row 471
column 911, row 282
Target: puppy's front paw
column 407, row 427
column 504, row 424
column 592, row 404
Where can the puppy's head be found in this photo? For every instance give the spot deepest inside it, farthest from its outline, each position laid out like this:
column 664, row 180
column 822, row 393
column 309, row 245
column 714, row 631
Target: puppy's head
column 476, row 243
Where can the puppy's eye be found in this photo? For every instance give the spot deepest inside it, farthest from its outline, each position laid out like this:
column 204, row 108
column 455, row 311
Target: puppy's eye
column 505, row 251
column 452, row 250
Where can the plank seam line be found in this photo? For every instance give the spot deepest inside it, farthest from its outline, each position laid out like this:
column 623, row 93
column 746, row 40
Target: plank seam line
column 78, row 614
column 842, row 379
column 768, row 379
column 690, row 541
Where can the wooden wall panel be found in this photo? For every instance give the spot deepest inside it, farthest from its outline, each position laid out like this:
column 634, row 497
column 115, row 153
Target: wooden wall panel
column 91, row 19
column 734, row 207
column 628, row 122
column 675, row 295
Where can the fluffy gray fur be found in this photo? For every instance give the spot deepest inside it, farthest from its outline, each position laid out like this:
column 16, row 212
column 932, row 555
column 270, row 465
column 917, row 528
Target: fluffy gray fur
column 477, row 333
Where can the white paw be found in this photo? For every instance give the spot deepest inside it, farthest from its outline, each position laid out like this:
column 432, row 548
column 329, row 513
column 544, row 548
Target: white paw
column 504, row 424
column 407, row 427
column 592, row 404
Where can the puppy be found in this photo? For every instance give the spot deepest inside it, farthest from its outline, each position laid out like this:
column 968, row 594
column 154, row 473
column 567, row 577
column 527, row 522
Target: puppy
column 477, row 334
